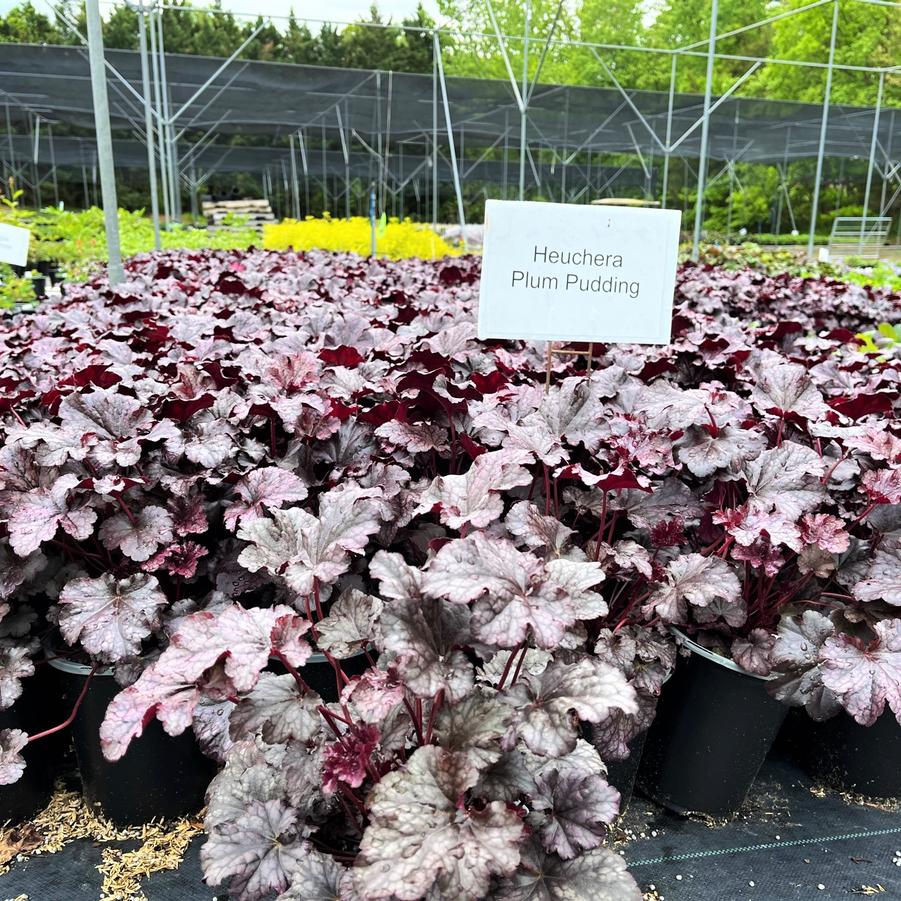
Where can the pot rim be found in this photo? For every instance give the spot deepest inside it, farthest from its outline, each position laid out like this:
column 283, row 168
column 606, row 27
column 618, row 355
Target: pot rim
column 73, row 667
column 80, row 669
column 319, row 657
column 701, row 651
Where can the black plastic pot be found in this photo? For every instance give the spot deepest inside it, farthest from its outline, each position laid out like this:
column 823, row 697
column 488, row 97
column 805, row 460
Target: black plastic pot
column 21, row 800
column 715, row 724
column 621, row 774
column 39, row 284
column 159, row 776
column 319, row 674
column 849, row 757
column 36, row 710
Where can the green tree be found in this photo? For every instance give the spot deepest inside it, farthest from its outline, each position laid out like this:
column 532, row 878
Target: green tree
column 331, row 48
column 415, row 49
column 480, row 57
column 300, row 46
column 120, row 30
column 685, row 22
column 23, row 24
column 269, row 44
column 371, row 43
column 867, row 35
column 608, row 22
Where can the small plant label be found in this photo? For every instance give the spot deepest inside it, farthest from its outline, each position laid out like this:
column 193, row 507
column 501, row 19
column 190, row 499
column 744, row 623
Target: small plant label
column 566, row 272
column 14, row 245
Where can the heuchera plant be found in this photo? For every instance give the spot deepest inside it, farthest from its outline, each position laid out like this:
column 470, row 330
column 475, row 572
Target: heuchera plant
column 237, row 461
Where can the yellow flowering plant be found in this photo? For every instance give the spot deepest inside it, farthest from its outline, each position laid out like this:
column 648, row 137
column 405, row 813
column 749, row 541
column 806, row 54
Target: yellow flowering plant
column 397, row 240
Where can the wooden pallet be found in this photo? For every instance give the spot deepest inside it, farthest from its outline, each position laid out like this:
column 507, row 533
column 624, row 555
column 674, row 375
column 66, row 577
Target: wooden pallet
column 256, row 211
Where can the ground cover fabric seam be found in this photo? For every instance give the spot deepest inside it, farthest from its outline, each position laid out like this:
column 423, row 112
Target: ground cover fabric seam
column 766, row 846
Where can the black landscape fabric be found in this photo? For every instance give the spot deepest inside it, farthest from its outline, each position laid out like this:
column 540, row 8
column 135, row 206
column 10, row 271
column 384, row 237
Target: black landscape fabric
column 790, row 839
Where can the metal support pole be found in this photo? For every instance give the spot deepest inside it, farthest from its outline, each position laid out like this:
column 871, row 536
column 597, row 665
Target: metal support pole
column 192, row 178
column 705, row 131
column 506, row 161
column 524, row 111
column 729, row 209
column 53, row 165
column 174, row 192
column 104, row 141
column 450, row 140
column 157, row 96
column 378, row 142
column 325, row 197
column 824, row 126
column 782, row 177
column 872, row 160
column 563, row 157
column 887, row 156
column 9, row 138
column 35, row 178
column 434, row 130
column 148, row 128
column 306, row 170
column 372, row 221
column 295, row 186
column 669, row 129
column 346, row 164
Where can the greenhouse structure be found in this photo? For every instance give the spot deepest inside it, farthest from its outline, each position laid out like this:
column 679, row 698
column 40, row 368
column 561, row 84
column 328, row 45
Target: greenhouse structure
column 408, row 133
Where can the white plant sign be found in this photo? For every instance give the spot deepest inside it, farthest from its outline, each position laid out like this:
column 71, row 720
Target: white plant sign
column 14, row 245
column 566, row 272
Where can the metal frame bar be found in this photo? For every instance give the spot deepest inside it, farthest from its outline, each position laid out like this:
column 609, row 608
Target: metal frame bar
column 104, row 142
column 705, row 133
column 824, row 126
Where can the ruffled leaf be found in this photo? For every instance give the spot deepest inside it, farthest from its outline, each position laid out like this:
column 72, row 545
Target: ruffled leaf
column 256, row 853
column 111, row 617
column 12, row 764
column 421, row 837
column 865, row 677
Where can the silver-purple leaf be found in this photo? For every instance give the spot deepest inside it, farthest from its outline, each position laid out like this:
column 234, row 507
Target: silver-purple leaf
column 428, row 638
column 256, row 852
column 12, row 764
column 111, row 617
column 319, row 877
column 351, row 624
column 264, row 489
column 882, row 581
column 785, row 478
column 787, row 388
column 753, row 653
column 474, row 498
column 138, row 534
column 572, row 811
column 549, row 706
column 474, row 727
column 41, row 511
column 796, row 656
column 15, row 665
column 276, row 710
column 696, row 580
column 865, row 677
column 421, row 838
column 303, row 547
column 598, row 875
